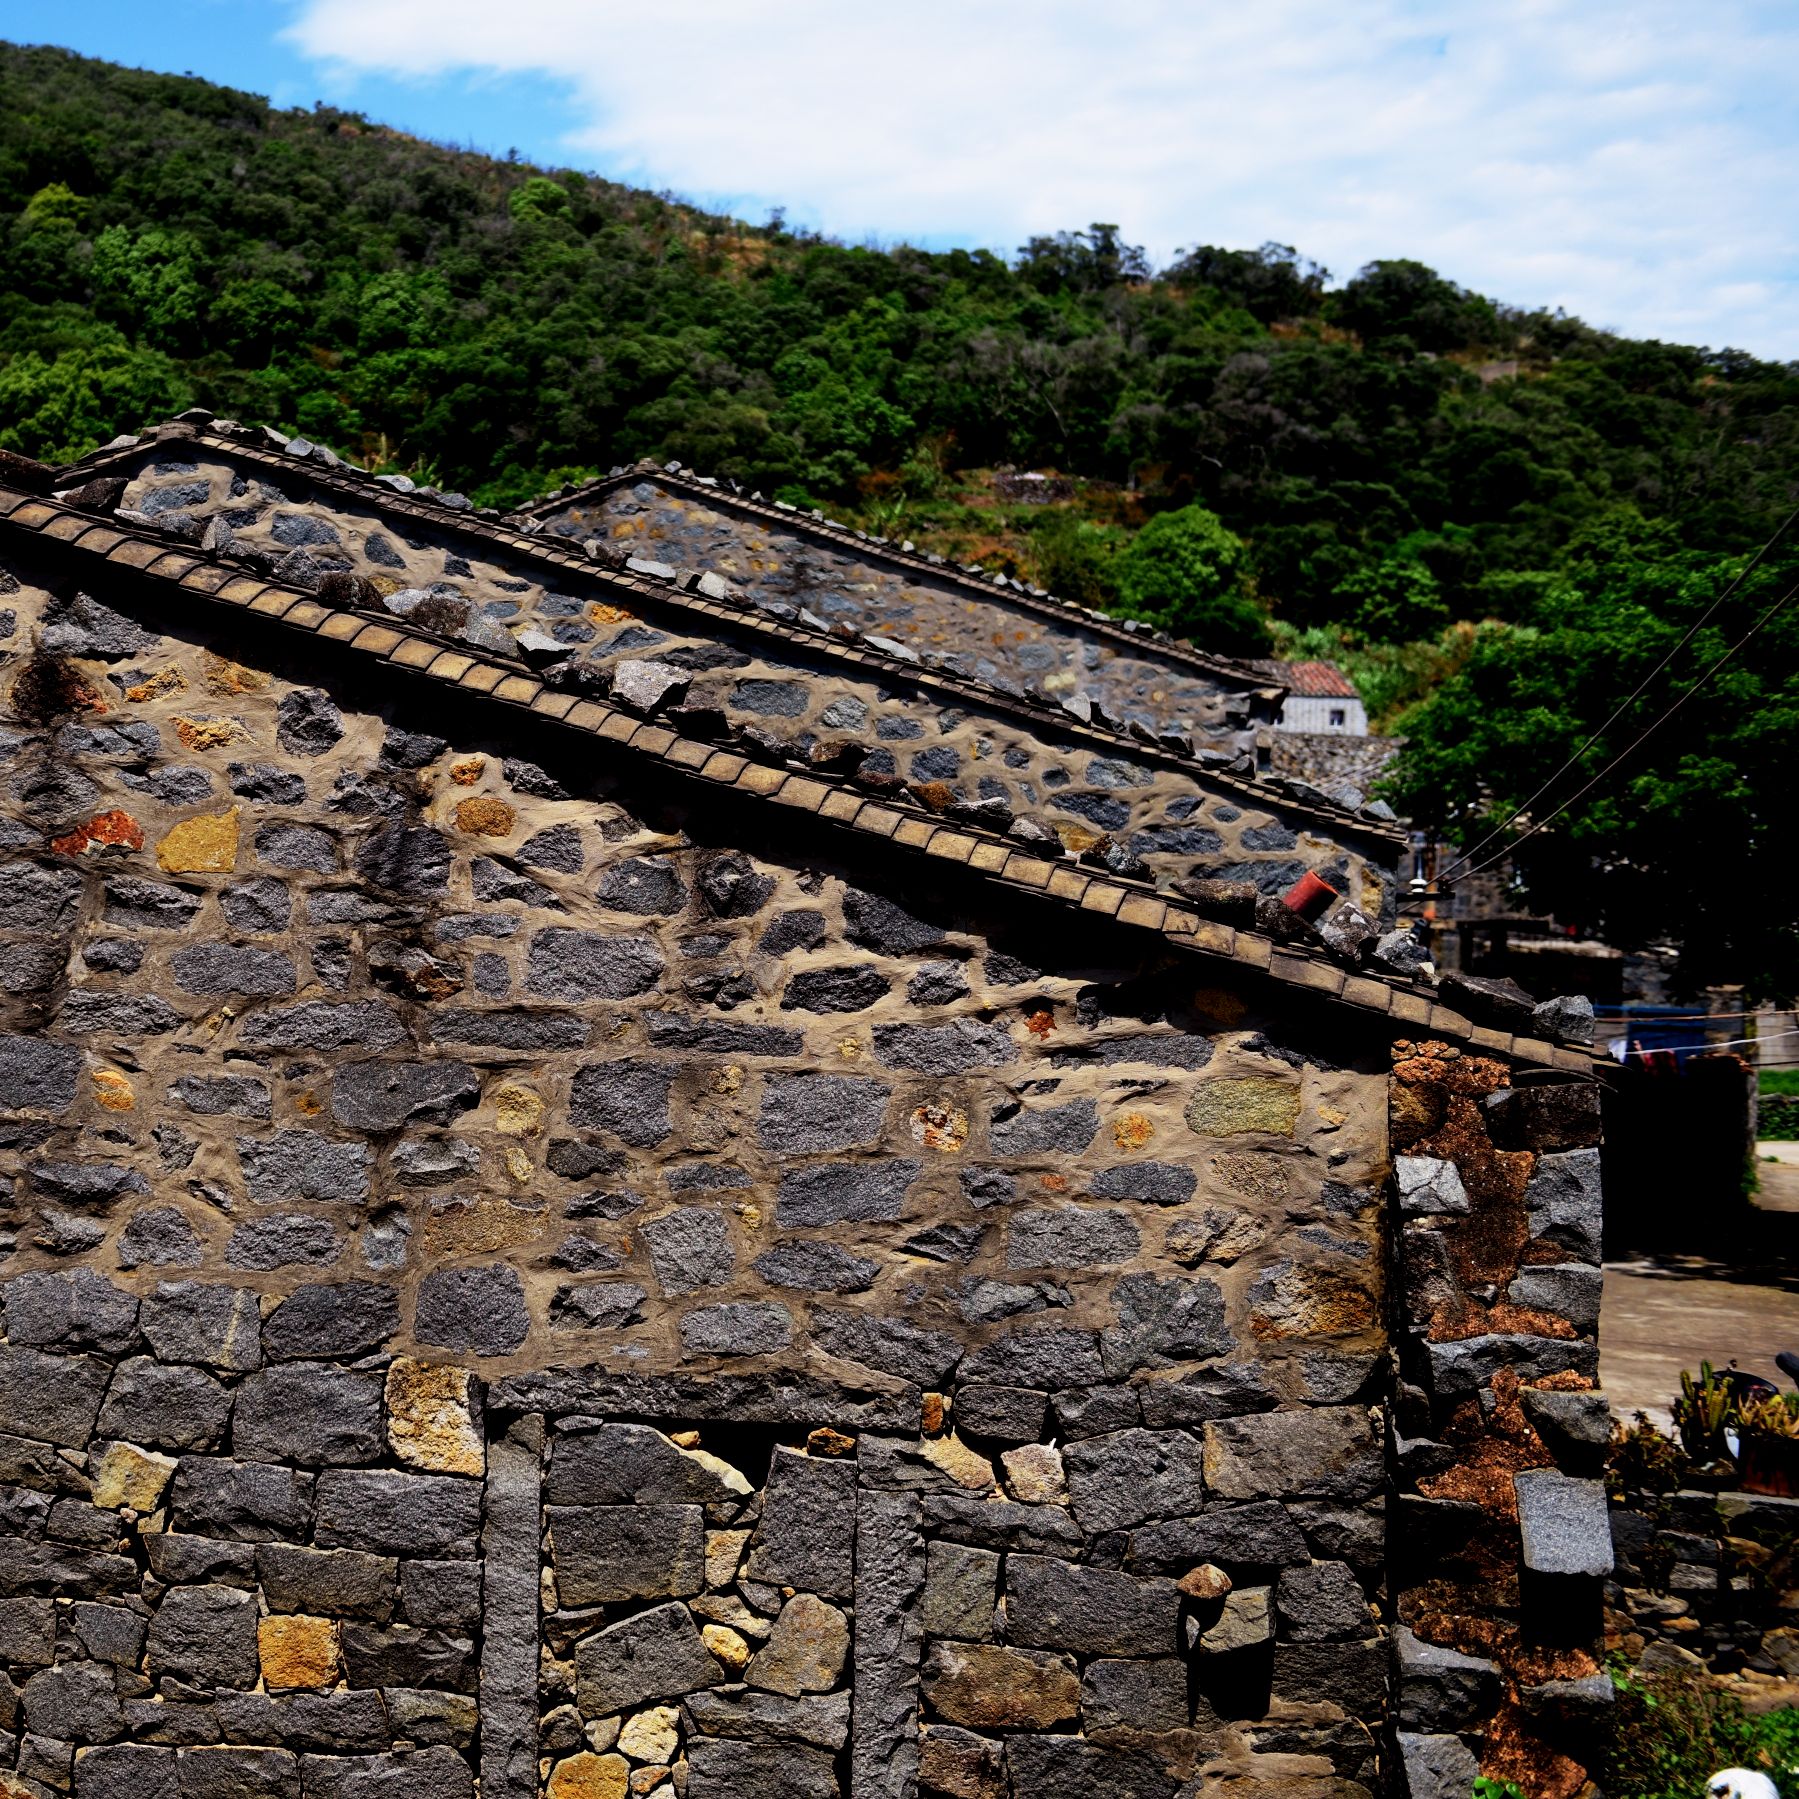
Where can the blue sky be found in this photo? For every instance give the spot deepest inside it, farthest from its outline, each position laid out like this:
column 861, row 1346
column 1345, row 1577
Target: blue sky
column 1630, row 160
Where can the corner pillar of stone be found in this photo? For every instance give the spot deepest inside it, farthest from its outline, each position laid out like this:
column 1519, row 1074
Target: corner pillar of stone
column 1497, row 1436
column 511, row 1541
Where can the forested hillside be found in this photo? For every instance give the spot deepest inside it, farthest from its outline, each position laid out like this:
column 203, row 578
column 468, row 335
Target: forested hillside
column 1499, row 520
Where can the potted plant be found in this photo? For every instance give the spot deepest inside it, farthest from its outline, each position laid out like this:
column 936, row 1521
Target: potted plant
column 1705, row 1409
column 1768, row 1446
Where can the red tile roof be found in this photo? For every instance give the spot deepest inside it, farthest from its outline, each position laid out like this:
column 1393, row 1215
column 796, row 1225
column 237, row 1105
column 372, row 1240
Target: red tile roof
column 1318, row 681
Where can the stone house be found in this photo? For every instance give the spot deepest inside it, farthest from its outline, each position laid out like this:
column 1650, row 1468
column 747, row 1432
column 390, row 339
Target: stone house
column 723, row 1172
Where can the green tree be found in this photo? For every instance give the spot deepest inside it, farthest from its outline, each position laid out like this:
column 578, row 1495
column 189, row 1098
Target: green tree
column 1186, row 573
column 1659, row 849
column 1396, row 601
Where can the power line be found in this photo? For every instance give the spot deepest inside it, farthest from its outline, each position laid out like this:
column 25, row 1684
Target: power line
column 1499, row 830
column 1643, row 737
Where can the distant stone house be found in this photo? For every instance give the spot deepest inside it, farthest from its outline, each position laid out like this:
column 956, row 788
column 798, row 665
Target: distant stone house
column 1320, row 698
column 658, row 1147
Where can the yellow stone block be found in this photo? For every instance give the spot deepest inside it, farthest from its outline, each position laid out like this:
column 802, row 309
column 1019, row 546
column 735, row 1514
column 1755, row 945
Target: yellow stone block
column 297, row 1651
column 588, row 1776
column 122, row 1474
column 651, row 1736
column 517, row 1110
column 724, row 1643
column 1230, row 1108
column 430, row 1419
column 203, row 845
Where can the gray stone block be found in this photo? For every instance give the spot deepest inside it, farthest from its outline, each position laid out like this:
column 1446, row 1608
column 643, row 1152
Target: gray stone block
column 908, row 1352
column 1441, row 1690
column 51, row 1309
column 1457, row 1370
column 74, row 1702
column 1069, row 1237
column 378, row 1655
column 441, row 1595
column 1436, row 1767
column 960, row 1591
column 946, row 1049
column 1037, row 1357
column 1128, row 1477
column 249, row 1501
column 1150, row 1183
column 160, row 1237
column 308, row 1412
column 239, row 1774
column 572, row 965
column 605, row 1555
column 52, row 1398
column 1321, row 1602
column 240, row 1096
column 1428, row 1184
column 1148, row 1695
column 331, row 1583
column 164, row 1407
column 436, row 1773
column 298, row 1164
column 36, row 1076
column 745, row 1328
column 286, row 1240
column 807, row 1535
column 1568, row 1289
column 1329, row 1453
column 810, row 1266
column 1068, row 1767
column 845, row 1192
column 1007, row 1414
column 1054, row 1604
column 1566, row 1202
column 339, row 1318
column 387, row 1096
column 627, row 1098
column 1046, row 1130
column 690, row 1248
column 625, row 1464
column 815, row 1114
column 397, row 1514
column 331, row 1723
column 126, row 1771
column 654, row 1654
column 820, row 1720
column 1563, row 1524
column 323, row 1025
column 480, row 1309
column 205, row 1636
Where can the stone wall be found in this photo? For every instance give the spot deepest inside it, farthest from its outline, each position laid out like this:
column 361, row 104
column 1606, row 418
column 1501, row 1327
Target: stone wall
column 413, row 1133
column 1704, row 1582
column 1501, row 1543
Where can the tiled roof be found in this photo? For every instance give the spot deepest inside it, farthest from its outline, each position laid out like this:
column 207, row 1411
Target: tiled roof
column 92, row 544
column 1311, row 680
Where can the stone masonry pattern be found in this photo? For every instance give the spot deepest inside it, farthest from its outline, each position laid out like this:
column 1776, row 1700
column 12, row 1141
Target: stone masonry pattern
column 522, row 1274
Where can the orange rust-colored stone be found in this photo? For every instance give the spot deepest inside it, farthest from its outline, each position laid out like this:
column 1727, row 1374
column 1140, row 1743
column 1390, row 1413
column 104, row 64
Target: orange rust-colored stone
column 467, row 772
column 113, row 1091
column 1040, row 1023
column 207, row 733
column 933, row 1409
column 484, row 816
column 223, row 676
column 939, row 1125
column 165, row 680
column 1131, row 1130
column 604, row 613
column 934, row 796
column 104, row 831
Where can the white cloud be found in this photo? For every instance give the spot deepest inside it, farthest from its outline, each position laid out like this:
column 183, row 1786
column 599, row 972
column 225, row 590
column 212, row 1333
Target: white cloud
column 1629, row 160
